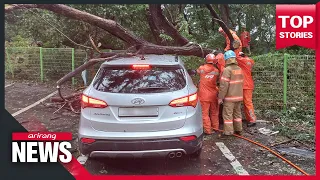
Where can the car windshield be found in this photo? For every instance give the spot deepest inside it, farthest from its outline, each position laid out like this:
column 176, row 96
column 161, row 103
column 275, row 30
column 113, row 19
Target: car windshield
column 124, row 79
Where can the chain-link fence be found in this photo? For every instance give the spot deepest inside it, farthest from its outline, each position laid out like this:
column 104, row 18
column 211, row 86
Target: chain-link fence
column 301, row 83
column 284, row 82
column 267, row 74
column 281, row 81
column 23, row 63
column 43, row 64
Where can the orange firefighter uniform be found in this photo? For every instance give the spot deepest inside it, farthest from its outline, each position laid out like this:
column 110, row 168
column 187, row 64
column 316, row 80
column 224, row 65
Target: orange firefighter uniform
column 235, row 37
column 208, row 93
column 246, row 64
column 245, row 38
column 231, row 92
column 221, row 62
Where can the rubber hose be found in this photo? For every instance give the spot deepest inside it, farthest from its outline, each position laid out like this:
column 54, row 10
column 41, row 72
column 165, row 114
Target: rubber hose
column 270, row 150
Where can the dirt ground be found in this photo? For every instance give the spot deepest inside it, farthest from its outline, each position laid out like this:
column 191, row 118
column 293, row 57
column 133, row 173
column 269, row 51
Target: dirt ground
column 255, row 160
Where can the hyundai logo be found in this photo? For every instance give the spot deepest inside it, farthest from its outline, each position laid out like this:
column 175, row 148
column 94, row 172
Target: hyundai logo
column 137, row 101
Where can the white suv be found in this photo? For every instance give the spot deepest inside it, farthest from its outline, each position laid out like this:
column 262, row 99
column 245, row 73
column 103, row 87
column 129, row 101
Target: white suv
column 141, row 107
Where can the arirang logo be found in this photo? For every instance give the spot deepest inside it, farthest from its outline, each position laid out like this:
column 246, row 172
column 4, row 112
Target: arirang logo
column 41, row 147
column 137, row 101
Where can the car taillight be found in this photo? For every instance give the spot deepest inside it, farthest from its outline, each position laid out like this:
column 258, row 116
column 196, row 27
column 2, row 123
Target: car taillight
column 87, row 101
column 188, row 138
column 190, row 100
column 87, row 140
column 141, row 66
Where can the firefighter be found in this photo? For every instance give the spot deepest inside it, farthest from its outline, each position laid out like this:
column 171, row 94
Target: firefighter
column 245, row 39
column 208, row 92
column 236, row 46
column 246, row 64
column 231, row 94
column 221, row 64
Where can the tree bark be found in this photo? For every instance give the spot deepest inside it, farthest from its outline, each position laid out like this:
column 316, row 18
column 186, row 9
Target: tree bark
column 227, row 9
column 193, row 50
column 162, row 23
column 154, row 29
column 224, row 16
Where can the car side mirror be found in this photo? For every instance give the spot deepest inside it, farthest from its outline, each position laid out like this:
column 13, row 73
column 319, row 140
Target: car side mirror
column 192, row 72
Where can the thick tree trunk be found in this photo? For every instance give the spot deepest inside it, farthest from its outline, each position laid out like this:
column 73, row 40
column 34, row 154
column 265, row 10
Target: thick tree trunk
column 227, row 9
column 193, row 50
column 154, row 29
column 224, row 16
column 161, row 22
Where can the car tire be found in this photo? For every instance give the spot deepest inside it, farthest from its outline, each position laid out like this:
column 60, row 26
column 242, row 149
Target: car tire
column 196, row 154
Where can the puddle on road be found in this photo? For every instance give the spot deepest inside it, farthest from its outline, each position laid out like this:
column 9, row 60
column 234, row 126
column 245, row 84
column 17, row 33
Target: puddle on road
column 297, row 152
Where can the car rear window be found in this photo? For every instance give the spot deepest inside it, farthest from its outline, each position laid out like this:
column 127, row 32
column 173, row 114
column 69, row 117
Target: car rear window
column 124, row 79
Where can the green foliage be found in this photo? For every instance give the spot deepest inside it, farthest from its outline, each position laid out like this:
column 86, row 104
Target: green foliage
column 297, row 124
column 22, row 63
column 166, row 37
column 18, row 41
column 193, row 21
column 29, row 24
column 297, row 50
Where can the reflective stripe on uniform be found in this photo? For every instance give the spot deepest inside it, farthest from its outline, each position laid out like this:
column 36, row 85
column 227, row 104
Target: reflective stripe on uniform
column 225, row 79
column 228, row 121
column 214, row 72
column 234, row 98
column 238, row 119
column 236, row 81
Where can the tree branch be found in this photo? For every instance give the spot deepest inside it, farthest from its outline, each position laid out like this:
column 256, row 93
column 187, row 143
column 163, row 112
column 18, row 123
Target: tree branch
column 94, row 46
column 168, row 10
column 220, row 22
column 115, row 29
column 109, row 25
column 162, row 23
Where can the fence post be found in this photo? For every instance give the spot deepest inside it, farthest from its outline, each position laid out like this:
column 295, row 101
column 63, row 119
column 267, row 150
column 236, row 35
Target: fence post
column 72, row 62
column 41, row 64
column 285, row 81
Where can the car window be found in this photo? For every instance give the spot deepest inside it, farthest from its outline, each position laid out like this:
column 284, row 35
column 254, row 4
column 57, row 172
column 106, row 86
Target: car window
column 124, row 79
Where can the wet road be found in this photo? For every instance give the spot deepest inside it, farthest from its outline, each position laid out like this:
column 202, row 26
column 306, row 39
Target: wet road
column 212, row 161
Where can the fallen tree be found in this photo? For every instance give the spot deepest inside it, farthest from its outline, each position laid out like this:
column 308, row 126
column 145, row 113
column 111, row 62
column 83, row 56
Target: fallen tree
column 126, row 35
column 139, row 46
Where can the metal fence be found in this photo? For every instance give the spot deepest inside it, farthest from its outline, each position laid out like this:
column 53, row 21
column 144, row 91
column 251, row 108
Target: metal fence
column 282, row 81
column 43, row 64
